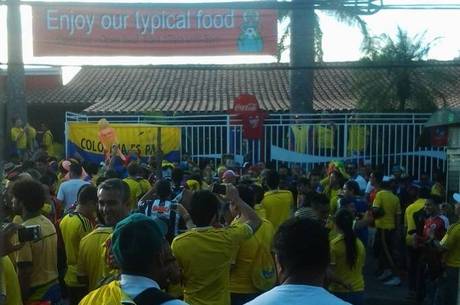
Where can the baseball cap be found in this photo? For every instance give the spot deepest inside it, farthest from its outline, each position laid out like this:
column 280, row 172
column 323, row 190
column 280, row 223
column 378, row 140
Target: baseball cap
column 136, row 238
column 456, row 197
column 229, row 174
column 387, row 178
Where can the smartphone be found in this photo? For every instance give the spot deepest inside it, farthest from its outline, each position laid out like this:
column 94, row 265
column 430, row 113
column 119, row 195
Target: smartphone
column 29, row 233
column 220, row 189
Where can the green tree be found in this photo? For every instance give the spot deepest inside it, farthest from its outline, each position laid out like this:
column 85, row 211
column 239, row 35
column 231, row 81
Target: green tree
column 336, row 8
column 399, row 77
column 303, row 29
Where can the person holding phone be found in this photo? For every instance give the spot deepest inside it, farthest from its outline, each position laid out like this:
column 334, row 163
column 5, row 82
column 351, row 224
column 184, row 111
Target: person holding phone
column 205, row 253
column 37, row 259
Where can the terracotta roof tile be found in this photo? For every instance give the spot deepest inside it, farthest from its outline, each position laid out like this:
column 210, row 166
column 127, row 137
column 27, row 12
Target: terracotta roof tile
column 190, row 89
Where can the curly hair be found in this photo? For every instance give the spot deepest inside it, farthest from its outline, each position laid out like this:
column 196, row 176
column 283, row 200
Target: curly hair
column 30, row 193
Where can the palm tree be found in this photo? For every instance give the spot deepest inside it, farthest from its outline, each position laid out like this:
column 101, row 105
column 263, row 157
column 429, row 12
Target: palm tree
column 402, row 85
column 336, row 8
column 306, row 46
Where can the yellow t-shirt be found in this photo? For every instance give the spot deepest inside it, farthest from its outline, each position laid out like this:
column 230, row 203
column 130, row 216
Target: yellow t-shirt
column 21, row 141
column 391, row 206
column 240, row 273
column 135, row 191
column 324, row 137
column 11, row 282
column 145, row 185
column 90, row 256
column 353, row 276
column 451, row 242
column 31, row 135
column 278, row 205
column 47, row 142
column 300, row 133
column 357, row 138
column 409, row 221
column 74, row 227
column 260, row 211
column 205, row 256
column 41, row 253
column 333, row 195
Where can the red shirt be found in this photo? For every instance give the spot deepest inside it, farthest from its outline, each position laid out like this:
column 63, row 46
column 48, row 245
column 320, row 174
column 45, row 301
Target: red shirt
column 435, row 224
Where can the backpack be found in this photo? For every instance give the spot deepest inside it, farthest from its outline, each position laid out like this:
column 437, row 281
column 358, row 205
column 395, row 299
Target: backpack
column 263, row 273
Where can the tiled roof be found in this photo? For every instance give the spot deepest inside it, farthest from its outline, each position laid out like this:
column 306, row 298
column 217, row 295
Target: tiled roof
column 193, row 89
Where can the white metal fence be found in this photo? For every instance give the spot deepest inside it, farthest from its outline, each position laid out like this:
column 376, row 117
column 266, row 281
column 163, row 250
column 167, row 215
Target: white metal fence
column 308, row 140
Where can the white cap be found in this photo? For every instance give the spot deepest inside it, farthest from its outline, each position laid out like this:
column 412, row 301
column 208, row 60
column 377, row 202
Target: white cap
column 456, row 197
column 387, row 178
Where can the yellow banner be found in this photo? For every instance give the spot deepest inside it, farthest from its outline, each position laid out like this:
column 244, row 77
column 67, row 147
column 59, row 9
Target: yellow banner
column 98, row 138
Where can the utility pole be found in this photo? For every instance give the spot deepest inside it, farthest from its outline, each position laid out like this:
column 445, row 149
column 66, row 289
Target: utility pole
column 16, row 101
column 302, row 54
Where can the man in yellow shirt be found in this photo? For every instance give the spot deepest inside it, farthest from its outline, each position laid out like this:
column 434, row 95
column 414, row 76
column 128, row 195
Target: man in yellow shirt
column 278, row 204
column 37, row 260
column 31, row 134
column 135, row 188
column 74, row 226
column 387, row 212
column 45, row 139
column 241, row 286
column 205, row 253
column 146, row 262
column 448, row 292
column 410, row 231
column 19, row 138
column 94, row 258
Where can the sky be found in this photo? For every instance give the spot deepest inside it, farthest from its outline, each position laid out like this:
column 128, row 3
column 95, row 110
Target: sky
column 340, row 41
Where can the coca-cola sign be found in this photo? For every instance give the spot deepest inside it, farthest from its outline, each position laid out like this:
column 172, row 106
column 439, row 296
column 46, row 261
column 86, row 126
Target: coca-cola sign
column 245, row 103
column 246, row 108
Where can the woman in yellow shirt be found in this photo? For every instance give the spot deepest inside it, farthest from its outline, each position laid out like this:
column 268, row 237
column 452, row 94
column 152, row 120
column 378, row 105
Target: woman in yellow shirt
column 347, row 260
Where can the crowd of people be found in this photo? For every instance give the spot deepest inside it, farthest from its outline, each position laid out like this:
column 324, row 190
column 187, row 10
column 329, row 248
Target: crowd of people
column 132, row 231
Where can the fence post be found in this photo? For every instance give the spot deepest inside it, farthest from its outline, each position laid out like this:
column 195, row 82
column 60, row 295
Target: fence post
column 345, row 137
column 227, row 150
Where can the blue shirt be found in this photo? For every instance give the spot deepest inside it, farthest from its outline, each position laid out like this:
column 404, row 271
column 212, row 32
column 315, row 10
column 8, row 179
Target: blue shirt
column 68, row 191
column 297, row 295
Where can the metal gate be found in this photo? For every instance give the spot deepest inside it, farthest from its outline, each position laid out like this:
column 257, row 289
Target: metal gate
column 306, row 140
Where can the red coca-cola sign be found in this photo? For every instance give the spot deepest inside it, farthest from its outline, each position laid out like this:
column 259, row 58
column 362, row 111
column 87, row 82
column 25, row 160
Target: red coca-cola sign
column 246, row 107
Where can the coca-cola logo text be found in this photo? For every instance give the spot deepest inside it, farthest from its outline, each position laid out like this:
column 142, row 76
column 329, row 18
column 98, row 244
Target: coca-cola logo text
column 245, row 107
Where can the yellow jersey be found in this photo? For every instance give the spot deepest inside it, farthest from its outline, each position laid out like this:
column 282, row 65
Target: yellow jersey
column 74, row 227
column 47, row 142
column 91, row 263
column 409, row 221
column 135, row 191
column 353, row 276
column 205, row 255
column 10, row 281
column 324, row 137
column 278, row 205
column 391, row 206
column 451, row 241
column 42, row 254
column 19, row 137
column 240, row 274
column 145, row 185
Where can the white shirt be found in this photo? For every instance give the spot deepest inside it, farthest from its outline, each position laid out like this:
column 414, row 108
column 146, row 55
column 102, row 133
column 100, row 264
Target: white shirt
column 297, row 294
column 133, row 285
